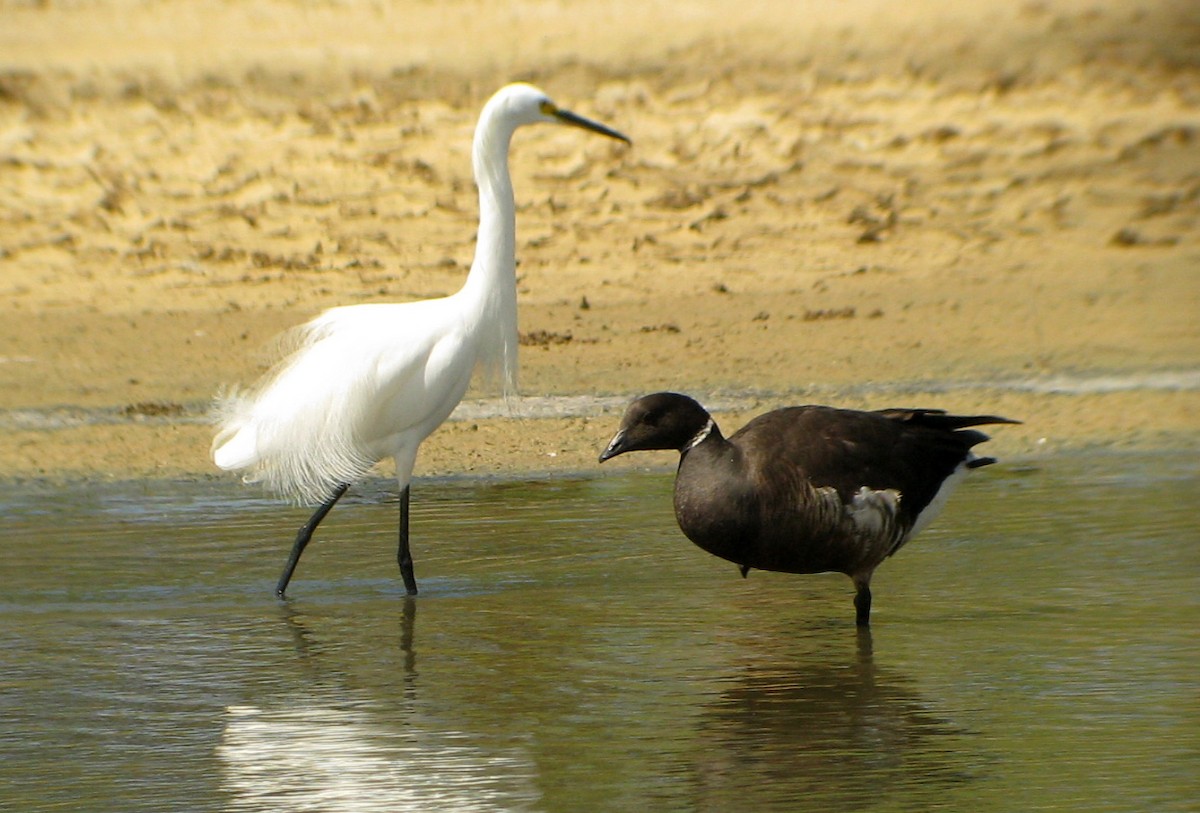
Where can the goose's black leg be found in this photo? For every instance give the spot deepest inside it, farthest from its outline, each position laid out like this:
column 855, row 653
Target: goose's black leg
column 403, row 555
column 304, row 535
column 862, row 603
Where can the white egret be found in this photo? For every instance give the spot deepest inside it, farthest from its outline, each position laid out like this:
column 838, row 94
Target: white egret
column 373, row 381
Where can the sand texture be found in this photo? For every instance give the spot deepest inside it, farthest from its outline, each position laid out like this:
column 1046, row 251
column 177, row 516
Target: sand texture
column 988, row 207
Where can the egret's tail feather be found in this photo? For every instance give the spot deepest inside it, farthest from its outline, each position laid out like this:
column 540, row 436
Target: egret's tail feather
column 299, row 446
column 235, row 449
column 234, row 446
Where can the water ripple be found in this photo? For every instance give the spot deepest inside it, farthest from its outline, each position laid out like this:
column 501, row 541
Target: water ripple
column 571, row 650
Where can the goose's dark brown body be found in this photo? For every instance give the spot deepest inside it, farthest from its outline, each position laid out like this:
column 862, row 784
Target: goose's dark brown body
column 785, row 510
column 807, row 489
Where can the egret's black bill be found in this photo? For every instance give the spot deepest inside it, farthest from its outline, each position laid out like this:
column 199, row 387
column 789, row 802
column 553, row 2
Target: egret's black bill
column 567, row 117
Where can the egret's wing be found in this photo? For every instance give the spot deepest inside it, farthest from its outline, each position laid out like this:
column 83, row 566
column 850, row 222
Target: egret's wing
column 317, row 419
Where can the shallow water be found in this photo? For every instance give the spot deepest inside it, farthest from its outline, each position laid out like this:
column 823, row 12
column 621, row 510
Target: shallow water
column 1035, row 649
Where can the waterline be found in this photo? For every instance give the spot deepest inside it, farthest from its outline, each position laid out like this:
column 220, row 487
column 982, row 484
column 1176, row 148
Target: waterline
column 587, row 406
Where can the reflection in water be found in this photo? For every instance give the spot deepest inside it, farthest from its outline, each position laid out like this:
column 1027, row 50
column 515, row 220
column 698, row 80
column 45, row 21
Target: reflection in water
column 841, row 734
column 574, row 654
column 323, row 757
column 309, row 651
column 335, row 749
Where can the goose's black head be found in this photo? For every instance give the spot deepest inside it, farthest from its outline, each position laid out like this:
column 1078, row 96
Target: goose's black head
column 664, row 420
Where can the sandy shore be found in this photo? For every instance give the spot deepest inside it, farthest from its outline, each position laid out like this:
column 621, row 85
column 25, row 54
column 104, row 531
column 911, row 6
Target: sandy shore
column 986, row 209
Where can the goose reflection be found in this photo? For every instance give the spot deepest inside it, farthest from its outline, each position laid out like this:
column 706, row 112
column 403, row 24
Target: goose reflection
column 327, row 741
column 831, row 733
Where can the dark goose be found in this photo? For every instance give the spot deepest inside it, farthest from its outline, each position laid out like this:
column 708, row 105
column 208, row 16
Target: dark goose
column 807, row 489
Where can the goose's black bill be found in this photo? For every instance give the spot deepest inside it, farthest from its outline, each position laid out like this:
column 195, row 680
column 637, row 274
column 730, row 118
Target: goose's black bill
column 615, row 447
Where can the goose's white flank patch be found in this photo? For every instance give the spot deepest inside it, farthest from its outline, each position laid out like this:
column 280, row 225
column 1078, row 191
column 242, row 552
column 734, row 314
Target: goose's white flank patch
column 871, row 511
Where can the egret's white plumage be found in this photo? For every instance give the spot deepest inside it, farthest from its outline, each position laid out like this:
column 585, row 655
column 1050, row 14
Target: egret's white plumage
column 367, row 382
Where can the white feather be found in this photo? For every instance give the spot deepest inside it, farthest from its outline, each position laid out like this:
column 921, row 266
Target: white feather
column 930, row 512
column 365, row 382
column 873, row 512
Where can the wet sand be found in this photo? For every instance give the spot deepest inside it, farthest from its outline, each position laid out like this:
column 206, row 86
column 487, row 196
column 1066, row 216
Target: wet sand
column 865, row 205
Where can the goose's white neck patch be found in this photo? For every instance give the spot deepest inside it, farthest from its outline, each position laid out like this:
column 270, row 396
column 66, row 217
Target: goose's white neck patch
column 700, row 436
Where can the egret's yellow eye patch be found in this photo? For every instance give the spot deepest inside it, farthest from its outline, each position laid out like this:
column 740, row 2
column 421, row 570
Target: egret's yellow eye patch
column 548, row 108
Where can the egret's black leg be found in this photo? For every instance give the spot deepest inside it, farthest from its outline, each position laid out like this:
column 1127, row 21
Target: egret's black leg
column 305, row 534
column 862, row 603
column 403, row 555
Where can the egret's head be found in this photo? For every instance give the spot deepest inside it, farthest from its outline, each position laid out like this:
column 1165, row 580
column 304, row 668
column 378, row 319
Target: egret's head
column 524, row 104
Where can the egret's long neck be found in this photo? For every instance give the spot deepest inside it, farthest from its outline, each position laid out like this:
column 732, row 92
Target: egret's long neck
column 491, row 286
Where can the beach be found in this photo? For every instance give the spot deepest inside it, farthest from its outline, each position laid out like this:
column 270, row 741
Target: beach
column 992, row 209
